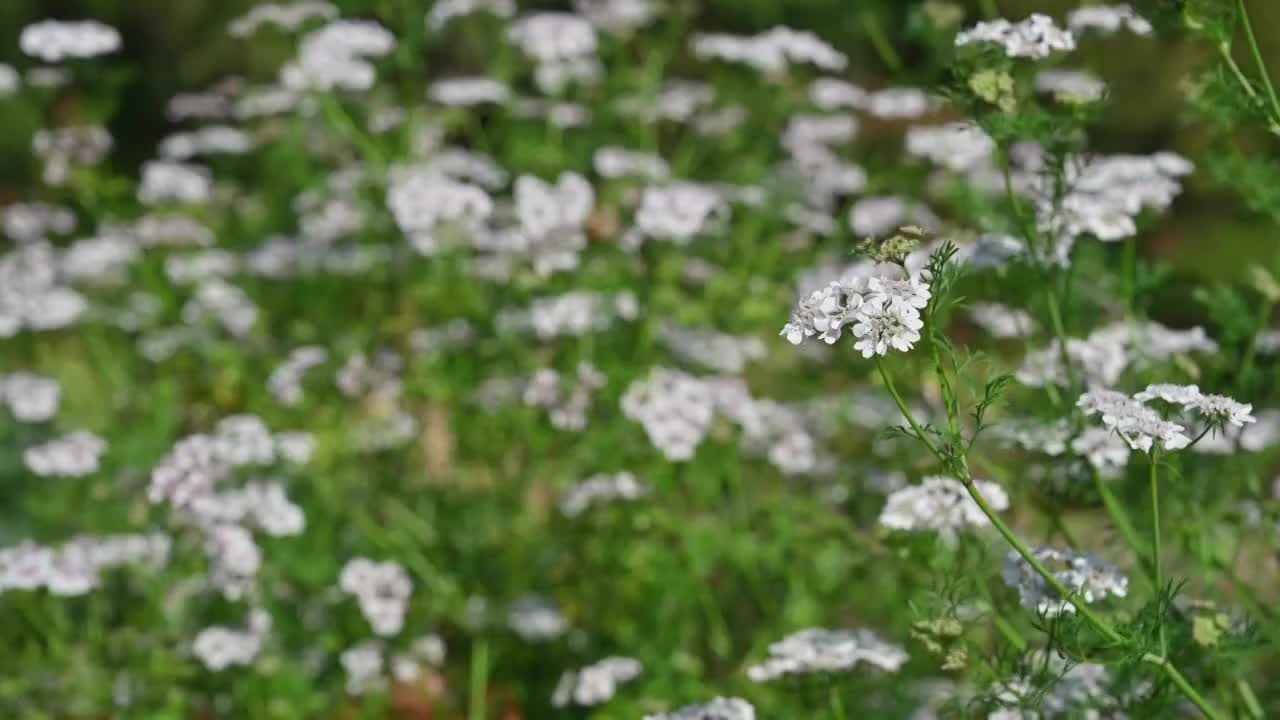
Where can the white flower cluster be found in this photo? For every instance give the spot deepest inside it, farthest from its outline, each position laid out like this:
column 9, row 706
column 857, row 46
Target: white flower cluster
column 1108, row 351
column 365, row 665
column 573, row 313
column 30, row 398
column 615, row 15
column 884, row 312
column 1106, row 194
column 719, row 708
column 1071, row 86
column 1217, row 410
column 449, row 336
column 1140, row 426
column 227, row 304
column 566, row 410
column 772, row 51
column 562, row 44
column 677, row 410
column 535, row 619
column 889, row 103
column 469, row 91
column 286, row 16
column 941, row 503
column 1103, row 449
column 57, row 40
column 208, row 140
column 818, row 650
column 710, row 349
column 285, row 382
column 443, row 11
column 10, row 81
column 1089, row 578
column 60, row 149
column 1003, row 321
column 29, row 222
column 1036, row 37
column 678, row 211
column 601, row 489
column 381, row 589
column 810, row 142
column 71, row 456
column 334, row 57
column 31, row 295
column 171, row 229
column 678, row 101
column 422, row 198
column 261, row 505
column 75, row 566
column 102, row 258
column 958, row 146
column 165, row 181
column 880, row 214
column 612, row 161
column 219, row 647
column 595, row 684
column 1108, row 19
column 552, row 220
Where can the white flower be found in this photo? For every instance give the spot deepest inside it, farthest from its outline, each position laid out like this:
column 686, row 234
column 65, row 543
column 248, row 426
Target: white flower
column 679, row 211
column 57, row 40
column 1185, row 395
column 1002, row 321
column 600, row 490
column 165, row 181
column 1221, row 409
column 534, row 619
column 595, row 684
column 382, row 590
column 468, row 91
column 289, row 16
column 219, row 647
column 817, row 650
column 443, row 11
column 959, row 146
column 75, row 455
column 363, row 665
column 1108, row 19
column 881, row 325
column 615, row 162
column 1071, row 85
column 1139, row 425
column 879, row 214
column 552, row 36
column 771, row 51
column 333, row 57
column 1036, row 37
column 940, row 503
column 719, row 708
column 1089, row 578
column 31, row 398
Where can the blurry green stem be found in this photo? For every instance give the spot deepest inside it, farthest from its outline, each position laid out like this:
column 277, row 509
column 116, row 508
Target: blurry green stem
column 1131, row 273
column 880, row 41
column 479, row 680
column 837, row 705
column 1121, row 519
column 1155, row 540
column 335, row 113
column 1250, row 700
column 1257, row 59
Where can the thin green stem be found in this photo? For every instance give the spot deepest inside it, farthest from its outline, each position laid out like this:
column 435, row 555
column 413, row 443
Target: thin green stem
column 1250, row 700
column 880, row 41
column 479, row 680
column 1007, row 629
column 1181, row 681
column 1257, row 59
column 837, row 705
column 1122, row 522
column 906, row 413
column 1131, row 273
column 1155, row 542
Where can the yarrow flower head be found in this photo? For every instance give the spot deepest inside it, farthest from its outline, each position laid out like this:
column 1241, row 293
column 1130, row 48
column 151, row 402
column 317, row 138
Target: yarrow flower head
column 818, row 650
column 884, row 311
column 382, row 590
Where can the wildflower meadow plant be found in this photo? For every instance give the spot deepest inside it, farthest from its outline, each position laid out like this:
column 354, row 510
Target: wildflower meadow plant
column 640, row 359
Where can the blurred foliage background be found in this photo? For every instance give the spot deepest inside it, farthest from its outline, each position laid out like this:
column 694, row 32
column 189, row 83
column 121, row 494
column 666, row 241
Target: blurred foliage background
column 181, row 45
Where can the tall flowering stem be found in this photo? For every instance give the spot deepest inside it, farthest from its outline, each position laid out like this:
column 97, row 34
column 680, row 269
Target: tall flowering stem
column 959, row 467
column 1155, row 540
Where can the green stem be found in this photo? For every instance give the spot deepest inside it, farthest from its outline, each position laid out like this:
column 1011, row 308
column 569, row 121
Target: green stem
column 1250, row 700
column 1257, row 59
column 881, row 42
column 1007, row 629
column 837, row 705
column 1131, row 273
column 479, row 680
column 1121, row 520
column 1181, row 681
column 906, row 413
column 1155, row 543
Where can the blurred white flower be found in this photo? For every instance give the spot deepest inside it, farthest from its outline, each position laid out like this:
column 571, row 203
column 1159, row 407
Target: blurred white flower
column 1089, row 578
column 1036, row 37
column 817, row 650
column 57, row 40
column 73, row 455
column 595, row 684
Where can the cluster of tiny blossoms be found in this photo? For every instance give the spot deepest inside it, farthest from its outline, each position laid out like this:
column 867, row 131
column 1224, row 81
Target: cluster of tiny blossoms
column 884, row 311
